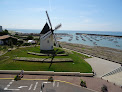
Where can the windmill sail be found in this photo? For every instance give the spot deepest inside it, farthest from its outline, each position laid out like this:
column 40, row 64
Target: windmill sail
column 56, row 43
column 46, row 35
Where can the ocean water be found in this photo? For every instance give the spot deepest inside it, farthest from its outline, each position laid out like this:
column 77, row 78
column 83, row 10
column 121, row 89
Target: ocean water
column 112, row 42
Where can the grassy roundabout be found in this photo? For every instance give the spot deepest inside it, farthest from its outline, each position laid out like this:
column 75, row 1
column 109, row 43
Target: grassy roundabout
column 79, row 64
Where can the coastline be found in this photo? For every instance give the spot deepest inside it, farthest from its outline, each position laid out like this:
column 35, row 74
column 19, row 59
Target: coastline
column 98, row 35
column 111, row 54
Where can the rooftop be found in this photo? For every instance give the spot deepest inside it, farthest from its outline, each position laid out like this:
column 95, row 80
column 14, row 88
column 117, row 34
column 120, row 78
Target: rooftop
column 4, row 36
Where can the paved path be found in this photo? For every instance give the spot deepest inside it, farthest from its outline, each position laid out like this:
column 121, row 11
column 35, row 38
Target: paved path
column 101, row 66
column 36, row 86
column 115, row 78
column 92, row 83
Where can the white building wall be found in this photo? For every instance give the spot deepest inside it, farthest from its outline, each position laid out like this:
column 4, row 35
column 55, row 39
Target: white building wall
column 46, row 44
column 0, row 28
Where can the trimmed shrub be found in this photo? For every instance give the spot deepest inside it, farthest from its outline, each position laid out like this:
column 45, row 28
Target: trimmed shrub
column 104, row 88
column 17, row 77
column 50, row 79
column 26, row 44
column 83, row 83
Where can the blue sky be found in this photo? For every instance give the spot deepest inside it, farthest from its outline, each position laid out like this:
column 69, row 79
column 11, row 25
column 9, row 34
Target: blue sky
column 84, row 15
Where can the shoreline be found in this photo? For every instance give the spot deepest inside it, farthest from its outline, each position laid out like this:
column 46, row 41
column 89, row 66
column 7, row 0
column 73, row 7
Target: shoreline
column 110, row 54
column 99, row 35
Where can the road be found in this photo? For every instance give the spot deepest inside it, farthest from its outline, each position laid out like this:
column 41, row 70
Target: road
column 36, row 86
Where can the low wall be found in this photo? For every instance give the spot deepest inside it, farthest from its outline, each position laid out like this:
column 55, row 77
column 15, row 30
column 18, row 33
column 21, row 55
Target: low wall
column 52, row 73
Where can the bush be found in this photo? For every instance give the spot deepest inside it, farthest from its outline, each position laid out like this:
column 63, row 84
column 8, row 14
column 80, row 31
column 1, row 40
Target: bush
column 30, row 37
column 4, row 32
column 26, row 44
column 104, row 88
column 50, row 79
column 17, row 77
column 83, row 83
column 4, row 47
column 18, row 44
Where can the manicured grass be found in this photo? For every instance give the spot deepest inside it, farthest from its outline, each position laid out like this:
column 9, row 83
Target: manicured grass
column 79, row 65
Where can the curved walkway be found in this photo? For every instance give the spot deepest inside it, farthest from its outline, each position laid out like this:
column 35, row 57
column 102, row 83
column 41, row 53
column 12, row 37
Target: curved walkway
column 101, row 66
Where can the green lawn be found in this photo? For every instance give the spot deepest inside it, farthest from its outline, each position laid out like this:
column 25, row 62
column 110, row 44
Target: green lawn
column 79, row 65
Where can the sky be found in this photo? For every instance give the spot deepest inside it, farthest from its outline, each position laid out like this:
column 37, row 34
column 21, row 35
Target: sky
column 82, row 15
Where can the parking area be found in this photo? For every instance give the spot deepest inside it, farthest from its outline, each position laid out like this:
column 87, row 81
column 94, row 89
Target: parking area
column 39, row 86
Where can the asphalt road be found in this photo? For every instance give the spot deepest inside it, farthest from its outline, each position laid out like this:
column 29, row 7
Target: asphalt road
column 38, row 86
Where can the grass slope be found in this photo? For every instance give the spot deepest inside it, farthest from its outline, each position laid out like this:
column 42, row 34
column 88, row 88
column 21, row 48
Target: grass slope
column 79, row 65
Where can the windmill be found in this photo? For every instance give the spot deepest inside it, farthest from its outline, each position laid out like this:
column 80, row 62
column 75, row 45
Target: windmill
column 47, row 36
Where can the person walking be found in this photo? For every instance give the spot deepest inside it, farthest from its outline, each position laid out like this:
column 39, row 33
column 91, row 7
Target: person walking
column 22, row 73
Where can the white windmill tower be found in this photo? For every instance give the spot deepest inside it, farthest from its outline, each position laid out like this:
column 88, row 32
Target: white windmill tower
column 47, row 36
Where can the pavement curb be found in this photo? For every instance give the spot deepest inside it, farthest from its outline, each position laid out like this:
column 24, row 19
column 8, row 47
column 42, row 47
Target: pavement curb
column 52, row 73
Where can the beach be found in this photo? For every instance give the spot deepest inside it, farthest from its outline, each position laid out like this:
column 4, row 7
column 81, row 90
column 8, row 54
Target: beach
column 111, row 54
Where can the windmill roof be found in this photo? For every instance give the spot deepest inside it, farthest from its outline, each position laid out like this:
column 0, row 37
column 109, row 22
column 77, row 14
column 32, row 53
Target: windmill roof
column 45, row 29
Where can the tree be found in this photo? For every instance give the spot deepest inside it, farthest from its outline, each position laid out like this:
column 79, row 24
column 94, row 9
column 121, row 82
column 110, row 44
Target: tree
column 10, row 43
column 6, row 31
column 30, row 37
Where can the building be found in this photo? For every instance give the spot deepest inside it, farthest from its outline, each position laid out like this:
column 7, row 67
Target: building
column 31, row 41
column 46, row 44
column 5, row 40
column 0, row 28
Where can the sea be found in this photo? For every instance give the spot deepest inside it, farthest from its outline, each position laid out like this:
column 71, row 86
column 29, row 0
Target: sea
column 111, row 42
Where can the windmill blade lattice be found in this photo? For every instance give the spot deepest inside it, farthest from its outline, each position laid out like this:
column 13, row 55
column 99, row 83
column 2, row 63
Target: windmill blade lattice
column 57, row 27
column 49, row 20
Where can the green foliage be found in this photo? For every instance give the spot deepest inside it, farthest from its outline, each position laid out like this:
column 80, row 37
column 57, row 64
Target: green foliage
column 30, row 37
column 104, row 88
column 50, row 79
column 26, row 44
column 3, row 48
column 10, row 43
column 4, row 32
column 19, row 44
column 83, row 83
column 17, row 77
column 17, row 36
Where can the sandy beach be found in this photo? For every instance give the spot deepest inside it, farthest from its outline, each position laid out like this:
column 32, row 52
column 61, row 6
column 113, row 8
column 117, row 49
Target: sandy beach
column 114, row 55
